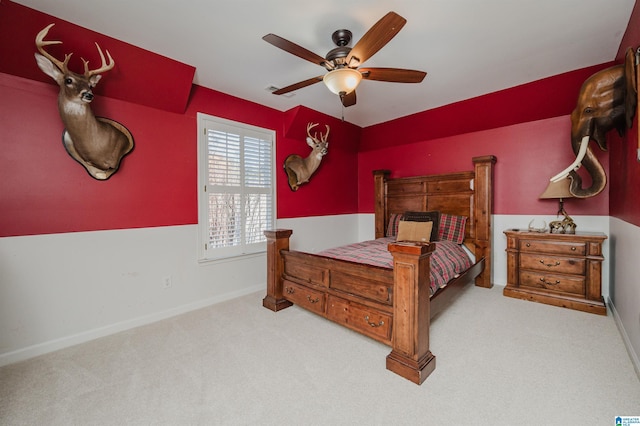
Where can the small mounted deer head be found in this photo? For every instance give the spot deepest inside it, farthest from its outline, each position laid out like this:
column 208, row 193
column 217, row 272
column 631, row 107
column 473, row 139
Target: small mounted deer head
column 95, row 142
column 298, row 169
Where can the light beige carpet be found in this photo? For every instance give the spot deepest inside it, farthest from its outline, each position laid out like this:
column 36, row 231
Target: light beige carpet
column 500, row 361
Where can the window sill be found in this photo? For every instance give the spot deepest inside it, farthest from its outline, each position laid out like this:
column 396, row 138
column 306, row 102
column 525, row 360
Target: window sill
column 231, row 258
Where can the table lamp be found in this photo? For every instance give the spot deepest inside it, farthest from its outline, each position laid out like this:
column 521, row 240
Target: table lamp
column 560, row 190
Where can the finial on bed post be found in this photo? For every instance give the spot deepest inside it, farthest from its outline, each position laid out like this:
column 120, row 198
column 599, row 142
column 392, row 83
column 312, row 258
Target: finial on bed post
column 277, row 239
column 483, row 185
column 380, row 209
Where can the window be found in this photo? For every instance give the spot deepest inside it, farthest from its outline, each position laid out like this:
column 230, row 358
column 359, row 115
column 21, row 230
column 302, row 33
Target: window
column 236, row 187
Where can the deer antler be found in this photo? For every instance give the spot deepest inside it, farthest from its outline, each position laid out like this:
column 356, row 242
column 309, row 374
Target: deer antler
column 309, row 127
column 41, row 43
column 323, row 137
column 326, row 135
column 105, row 67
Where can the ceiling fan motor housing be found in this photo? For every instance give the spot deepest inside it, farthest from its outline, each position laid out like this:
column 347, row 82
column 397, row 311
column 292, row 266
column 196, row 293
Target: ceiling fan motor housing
column 341, row 38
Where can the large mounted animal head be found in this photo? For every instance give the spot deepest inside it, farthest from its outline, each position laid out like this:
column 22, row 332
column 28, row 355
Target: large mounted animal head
column 607, row 100
column 95, row 142
column 299, row 169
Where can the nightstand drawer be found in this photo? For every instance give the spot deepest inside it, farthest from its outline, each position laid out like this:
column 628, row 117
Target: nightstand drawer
column 554, row 247
column 552, row 264
column 561, row 283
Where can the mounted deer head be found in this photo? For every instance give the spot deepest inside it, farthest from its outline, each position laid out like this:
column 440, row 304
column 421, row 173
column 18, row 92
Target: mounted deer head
column 95, row 142
column 298, row 169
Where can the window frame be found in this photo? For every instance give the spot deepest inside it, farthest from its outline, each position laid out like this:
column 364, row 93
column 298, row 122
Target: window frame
column 204, row 122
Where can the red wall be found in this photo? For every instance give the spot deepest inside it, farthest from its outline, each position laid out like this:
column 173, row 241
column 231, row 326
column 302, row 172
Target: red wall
column 528, row 155
column 128, row 80
column 625, row 177
column 625, row 168
column 45, row 191
column 332, row 189
column 546, row 98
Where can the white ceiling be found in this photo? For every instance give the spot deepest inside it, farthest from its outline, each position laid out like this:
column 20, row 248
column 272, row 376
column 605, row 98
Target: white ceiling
column 467, row 47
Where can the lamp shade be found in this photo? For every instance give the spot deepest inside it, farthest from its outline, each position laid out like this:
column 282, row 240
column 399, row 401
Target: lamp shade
column 559, row 189
column 342, row 80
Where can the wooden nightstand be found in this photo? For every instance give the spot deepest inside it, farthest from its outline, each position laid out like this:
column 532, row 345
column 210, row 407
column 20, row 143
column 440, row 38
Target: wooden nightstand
column 556, row 269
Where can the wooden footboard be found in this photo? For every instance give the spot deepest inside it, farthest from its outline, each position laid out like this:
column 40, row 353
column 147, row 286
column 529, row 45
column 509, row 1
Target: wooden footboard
column 391, row 306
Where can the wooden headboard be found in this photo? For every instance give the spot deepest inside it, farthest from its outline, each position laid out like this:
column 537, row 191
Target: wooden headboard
column 466, row 194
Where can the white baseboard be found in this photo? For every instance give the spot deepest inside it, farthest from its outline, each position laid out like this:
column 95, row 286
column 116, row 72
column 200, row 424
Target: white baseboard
column 68, row 341
column 625, row 337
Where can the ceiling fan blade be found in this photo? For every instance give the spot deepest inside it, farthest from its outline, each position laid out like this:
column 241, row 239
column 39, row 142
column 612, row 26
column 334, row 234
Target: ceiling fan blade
column 294, row 49
column 380, row 34
column 349, row 99
column 395, row 75
column 298, row 85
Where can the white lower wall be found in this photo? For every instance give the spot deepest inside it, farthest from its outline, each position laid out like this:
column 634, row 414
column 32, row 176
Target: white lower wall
column 64, row 289
column 312, row 234
column 625, row 288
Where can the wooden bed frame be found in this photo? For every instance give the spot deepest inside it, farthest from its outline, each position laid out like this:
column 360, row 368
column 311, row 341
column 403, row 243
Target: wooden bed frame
column 392, row 306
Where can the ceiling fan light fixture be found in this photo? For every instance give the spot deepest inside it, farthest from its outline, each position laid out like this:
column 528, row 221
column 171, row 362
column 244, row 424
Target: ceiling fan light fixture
column 343, row 80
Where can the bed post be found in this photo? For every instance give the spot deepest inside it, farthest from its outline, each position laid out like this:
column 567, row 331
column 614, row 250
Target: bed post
column 483, row 199
column 410, row 356
column 379, row 178
column 277, row 239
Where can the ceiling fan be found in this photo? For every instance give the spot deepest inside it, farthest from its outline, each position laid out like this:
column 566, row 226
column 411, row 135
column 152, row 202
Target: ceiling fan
column 342, row 62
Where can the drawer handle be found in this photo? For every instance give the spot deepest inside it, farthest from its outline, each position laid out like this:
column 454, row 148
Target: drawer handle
column 373, row 324
column 316, row 300
column 549, row 282
column 573, row 249
column 289, row 290
column 528, row 244
column 549, row 265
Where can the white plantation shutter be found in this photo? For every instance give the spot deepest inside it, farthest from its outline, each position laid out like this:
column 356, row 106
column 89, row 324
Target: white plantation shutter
column 237, row 187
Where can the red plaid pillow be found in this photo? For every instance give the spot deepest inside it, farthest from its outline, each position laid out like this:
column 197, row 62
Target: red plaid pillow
column 452, row 228
column 392, row 227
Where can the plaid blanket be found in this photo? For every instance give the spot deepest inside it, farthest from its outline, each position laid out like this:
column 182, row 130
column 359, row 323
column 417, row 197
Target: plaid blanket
column 448, row 260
